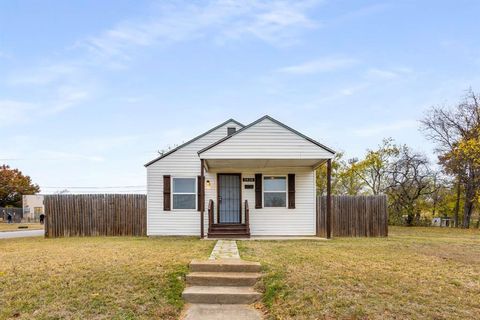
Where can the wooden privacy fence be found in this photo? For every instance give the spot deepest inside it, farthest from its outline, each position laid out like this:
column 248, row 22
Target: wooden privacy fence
column 354, row 216
column 95, row 215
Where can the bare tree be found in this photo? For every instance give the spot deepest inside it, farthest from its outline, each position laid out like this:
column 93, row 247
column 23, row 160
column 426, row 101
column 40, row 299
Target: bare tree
column 410, row 180
column 452, row 129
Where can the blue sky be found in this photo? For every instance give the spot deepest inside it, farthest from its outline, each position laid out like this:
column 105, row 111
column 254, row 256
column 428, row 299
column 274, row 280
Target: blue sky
column 90, row 90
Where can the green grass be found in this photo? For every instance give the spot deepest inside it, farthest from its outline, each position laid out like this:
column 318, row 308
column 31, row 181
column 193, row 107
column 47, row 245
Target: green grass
column 415, row 273
column 95, row 278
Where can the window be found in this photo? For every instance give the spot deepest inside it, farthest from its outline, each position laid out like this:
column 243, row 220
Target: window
column 184, row 193
column 231, row 130
column 275, row 191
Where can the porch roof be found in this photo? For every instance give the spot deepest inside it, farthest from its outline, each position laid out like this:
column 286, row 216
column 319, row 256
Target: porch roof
column 262, row 163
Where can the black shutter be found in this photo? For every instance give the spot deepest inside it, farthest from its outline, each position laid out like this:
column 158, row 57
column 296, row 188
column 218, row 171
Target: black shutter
column 258, row 191
column 166, row 193
column 199, row 193
column 291, row 191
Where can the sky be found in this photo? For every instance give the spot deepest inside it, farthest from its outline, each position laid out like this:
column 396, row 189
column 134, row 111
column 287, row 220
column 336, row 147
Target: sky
column 91, row 90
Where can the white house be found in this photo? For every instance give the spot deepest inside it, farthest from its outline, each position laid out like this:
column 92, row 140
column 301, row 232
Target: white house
column 32, row 206
column 237, row 181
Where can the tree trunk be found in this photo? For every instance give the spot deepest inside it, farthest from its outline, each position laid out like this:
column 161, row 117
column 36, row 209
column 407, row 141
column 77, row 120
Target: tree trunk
column 467, row 213
column 457, row 204
column 410, row 216
column 468, row 206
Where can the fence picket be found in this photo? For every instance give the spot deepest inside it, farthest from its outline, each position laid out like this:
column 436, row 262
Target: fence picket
column 95, row 215
column 354, row 216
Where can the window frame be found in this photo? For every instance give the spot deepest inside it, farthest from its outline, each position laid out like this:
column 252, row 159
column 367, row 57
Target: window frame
column 172, row 192
column 286, row 189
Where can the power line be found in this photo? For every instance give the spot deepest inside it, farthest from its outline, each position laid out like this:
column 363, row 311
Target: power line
column 93, row 187
column 105, row 191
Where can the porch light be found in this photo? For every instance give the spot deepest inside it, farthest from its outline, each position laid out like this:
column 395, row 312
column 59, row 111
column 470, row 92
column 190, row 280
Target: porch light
column 208, row 184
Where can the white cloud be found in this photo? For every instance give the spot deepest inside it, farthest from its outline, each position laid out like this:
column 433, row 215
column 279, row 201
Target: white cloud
column 276, row 22
column 102, row 144
column 363, row 12
column 385, row 129
column 64, row 84
column 387, row 74
column 13, row 111
column 69, row 82
column 45, row 75
column 351, row 90
column 62, row 155
column 68, row 96
column 326, row 64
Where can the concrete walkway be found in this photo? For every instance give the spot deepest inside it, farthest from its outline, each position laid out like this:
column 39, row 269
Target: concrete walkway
column 225, row 249
column 221, row 312
column 21, row 234
column 222, row 286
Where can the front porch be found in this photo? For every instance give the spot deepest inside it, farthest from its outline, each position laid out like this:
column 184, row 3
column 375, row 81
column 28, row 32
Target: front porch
column 238, row 203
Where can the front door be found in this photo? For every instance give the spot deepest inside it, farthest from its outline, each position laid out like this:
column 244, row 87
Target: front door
column 229, row 198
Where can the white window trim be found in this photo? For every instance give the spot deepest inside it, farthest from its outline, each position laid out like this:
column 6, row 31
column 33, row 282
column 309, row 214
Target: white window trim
column 286, row 189
column 172, row 193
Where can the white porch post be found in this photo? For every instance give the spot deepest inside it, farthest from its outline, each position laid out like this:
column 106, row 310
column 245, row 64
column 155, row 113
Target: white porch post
column 329, row 199
column 202, row 197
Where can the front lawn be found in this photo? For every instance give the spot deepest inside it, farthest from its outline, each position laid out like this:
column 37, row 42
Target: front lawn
column 20, row 226
column 95, row 278
column 415, row 273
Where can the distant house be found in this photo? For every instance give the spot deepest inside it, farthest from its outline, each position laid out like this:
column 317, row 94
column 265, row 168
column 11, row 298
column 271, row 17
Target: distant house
column 32, row 206
column 442, row 222
column 236, row 180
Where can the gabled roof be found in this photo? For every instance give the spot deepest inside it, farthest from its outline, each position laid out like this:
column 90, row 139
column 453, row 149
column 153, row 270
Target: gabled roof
column 194, row 139
column 275, row 121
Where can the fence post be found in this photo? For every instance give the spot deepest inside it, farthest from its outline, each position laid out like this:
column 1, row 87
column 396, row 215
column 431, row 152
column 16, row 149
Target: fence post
column 329, row 198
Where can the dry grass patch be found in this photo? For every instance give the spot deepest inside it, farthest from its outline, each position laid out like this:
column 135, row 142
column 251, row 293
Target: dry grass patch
column 95, row 278
column 415, row 273
column 20, row 226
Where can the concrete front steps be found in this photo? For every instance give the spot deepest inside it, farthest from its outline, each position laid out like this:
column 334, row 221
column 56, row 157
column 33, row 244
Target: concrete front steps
column 238, row 279
column 224, row 265
column 227, row 281
column 220, row 295
column 223, row 230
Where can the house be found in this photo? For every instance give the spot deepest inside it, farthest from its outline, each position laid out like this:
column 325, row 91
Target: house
column 236, row 181
column 442, row 222
column 32, row 206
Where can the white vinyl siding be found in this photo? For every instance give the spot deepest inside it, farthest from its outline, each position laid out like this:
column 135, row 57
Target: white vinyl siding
column 277, row 221
column 266, row 140
column 181, row 163
column 283, row 221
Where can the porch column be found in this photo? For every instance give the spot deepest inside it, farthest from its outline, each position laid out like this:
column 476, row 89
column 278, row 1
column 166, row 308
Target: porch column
column 329, row 199
column 202, row 197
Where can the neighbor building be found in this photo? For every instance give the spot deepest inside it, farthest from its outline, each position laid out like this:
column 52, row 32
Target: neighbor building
column 236, row 180
column 32, row 206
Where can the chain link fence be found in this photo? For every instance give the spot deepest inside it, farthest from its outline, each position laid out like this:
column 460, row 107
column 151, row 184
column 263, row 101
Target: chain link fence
column 15, row 213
